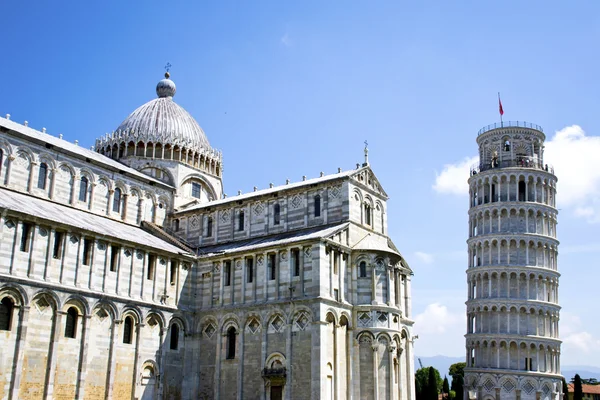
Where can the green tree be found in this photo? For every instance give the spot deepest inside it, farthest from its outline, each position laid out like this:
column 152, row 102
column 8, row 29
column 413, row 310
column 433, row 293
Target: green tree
column 577, row 388
column 457, row 369
column 422, row 383
column 457, row 386
column 452, row 395
column 445, row 387
column 432, row 384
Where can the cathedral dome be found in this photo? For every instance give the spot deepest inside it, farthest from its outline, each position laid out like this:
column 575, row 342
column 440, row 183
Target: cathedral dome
column 162, row 121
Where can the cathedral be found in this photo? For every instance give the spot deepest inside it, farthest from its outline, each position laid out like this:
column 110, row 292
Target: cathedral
column 126, row 273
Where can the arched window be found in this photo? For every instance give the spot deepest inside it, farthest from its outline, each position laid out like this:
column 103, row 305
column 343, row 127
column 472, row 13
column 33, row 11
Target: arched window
column 71, row 323
column 1, row 159
column 42, row 176
column 276, row 213
column 174, row 337
column 127, row 330
column 6, row 311
column 83, row 189
column 362, row 269
column 117, row 200
column 231, row 343
column 367, row 214
column 241, row 221
column 209, row 224
column 317, row 210
column 507, row 145
column 176, row 225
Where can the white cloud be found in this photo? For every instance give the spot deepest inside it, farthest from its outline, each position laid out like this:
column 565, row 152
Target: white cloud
column 440, row 331
column 573, row 155
column 425, row 258
column 453, row 178
column 285, row 39
column 579, row 346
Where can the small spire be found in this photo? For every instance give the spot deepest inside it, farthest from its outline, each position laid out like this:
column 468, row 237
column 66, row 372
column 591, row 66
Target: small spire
column 167, row 68
column 366, row 154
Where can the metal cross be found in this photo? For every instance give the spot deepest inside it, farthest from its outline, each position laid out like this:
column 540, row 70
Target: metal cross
column 168, row 66
column 366, row 144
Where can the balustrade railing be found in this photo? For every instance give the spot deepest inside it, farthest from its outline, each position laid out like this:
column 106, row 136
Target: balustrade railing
column 519, row 162
column 510, row 124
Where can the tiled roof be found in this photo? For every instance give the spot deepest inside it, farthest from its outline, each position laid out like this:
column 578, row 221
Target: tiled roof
column 53, row 212
column 61, row 145
column 275, row 189
column 272, row 240
column 590, row 389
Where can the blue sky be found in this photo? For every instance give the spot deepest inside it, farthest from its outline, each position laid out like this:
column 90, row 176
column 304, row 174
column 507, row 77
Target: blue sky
column 286, row 90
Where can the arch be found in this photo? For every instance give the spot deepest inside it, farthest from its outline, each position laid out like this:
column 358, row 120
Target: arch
column 71, row 320
column 7, row 306
column 49, row 296
column 231, row 342
column 275, row 358
column 15, row 292
column 174, row 336
column 77, row 301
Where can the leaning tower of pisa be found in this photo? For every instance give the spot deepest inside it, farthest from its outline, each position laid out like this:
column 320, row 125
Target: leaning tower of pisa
column 512, row 340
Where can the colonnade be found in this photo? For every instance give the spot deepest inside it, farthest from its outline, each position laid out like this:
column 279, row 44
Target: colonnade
column 506, row 354
column 507, row 319
column 512, row 187
column 513, row 285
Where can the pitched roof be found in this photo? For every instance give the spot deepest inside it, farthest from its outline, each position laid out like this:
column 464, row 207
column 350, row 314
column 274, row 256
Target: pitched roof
column 53, row 212
column 272, row 240
column 275, row 189
column 61, row 145
column 590, row 389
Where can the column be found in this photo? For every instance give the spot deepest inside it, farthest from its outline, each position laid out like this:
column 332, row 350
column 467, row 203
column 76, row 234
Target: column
column 341, row 273
column 266, row 281
column 240, row 377
column 373, row 284
column 32, row 166
column 391, row 349
column 19, row 350
column 375, row 348
column 74, row 180
column 125, row 201
column 85, row 337
column 51, row 366
column 53, row 173
column 331, row 261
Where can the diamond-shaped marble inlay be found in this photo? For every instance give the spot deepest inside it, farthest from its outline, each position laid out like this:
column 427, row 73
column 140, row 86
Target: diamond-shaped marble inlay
column 209, row 330
column 546, row 389
column 258, row 209
column 225, row 216
column 488, row 385
column 382, row 317
column 334, row 192
column 277, row 324
column 9, row 224
column 152, row 321
column 42, row 303
column 194, row 222
column 296, row 201
column 101, row 314
column 508, row 386
column 302, row 322
column 254, row 325
column 364, row 319
column 528, row 387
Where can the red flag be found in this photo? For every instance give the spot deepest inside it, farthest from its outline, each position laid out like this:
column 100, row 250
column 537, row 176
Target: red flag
column 500, row 105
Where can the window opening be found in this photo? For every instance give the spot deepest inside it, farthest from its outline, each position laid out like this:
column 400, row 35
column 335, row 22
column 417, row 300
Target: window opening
column 231, row 343
column 71, row 323
column 241, row 221
column 173, row 274
column 521, row 190
column 507, row 145
column 336, row 294
column 83, row 189
column 227, row 273
column 1, row 159
column 196, row 190
column 209, row 225
column 114, row 257
column 117, row 200
column 336, row 261
column 87, row 251
column 296, row 261
column 249, row 270
column 272, row 267
column 494, row 193
column 317, row 209
column 25, row 237
column 58, row 244
column 176, row 225
column 6, row 311
column 368, row 214
column 127, row 330
column 276, row 212
column 151, row 267
column 174, row 337
column 362, row 269
column 42, row 176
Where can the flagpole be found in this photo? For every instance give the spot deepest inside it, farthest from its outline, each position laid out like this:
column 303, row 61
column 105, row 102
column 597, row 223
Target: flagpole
column 499, row 102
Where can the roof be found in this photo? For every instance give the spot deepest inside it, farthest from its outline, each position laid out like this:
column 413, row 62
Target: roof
column 62, row 146
column 590, row 389
column 275, row 189
column 58, row 213
column 163, row 121
column 272, row 240
column 373, row 242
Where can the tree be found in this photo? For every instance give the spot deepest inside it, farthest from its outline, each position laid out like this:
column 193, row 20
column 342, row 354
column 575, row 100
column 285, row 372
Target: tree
column 445, row 386
column 577, row 388
column 432, row 384
column 457, row 386
column 422, row 383
column 457, row 369
column 452, row 395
